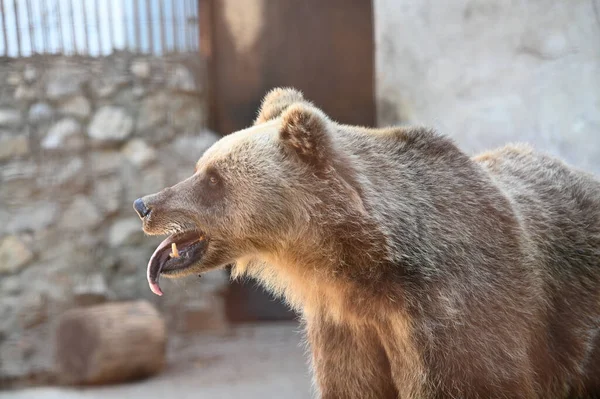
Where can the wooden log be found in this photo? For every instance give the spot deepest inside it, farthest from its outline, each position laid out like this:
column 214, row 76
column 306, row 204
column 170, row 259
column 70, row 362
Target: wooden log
column 110, row 343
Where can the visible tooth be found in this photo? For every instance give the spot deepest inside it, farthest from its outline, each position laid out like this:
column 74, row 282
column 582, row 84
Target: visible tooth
column 174, row 251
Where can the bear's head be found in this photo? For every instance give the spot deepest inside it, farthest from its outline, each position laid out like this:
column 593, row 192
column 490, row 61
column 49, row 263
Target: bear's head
column 262, row 190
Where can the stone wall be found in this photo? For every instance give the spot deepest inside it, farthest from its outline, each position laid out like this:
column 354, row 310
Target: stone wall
column 488, row 72
column 80, row 140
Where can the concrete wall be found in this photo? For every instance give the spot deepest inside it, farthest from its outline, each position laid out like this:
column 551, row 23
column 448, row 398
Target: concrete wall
column 488, row 72
column 80, row 139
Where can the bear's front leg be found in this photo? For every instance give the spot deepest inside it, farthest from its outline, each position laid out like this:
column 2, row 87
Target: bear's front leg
column 349, row 362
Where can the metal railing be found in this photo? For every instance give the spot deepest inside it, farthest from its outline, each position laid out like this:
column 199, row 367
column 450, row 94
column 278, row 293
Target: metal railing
column 97, row 27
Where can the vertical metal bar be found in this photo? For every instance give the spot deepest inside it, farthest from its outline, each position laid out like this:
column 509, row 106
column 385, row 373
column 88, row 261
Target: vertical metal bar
column 111, row 27
column 194, row 11
column 187, row 15
column 31, row 29
column 98, row 31
column 196, row 32
column 183, row 24
column 17, row 26
column 189, row 18
column 125, row 31
column 45, row 32
column 125, row 28
column 73, row 33
column 149, row 26
column 61, row 44
column 136, row 21
column 161, row 26
column 4, row 29
column 174, row 15
column 184, row 14
column 86, row 39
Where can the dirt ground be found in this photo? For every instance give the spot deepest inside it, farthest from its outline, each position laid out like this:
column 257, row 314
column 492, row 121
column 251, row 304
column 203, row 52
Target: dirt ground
column 265, row 361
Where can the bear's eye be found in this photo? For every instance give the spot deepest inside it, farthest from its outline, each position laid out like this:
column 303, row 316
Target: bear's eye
column 213, row 180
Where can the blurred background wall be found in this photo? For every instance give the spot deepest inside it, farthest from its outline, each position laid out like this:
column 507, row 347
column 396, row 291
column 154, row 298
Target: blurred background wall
column 90, row 120
column 80, row 140
column 489, row 72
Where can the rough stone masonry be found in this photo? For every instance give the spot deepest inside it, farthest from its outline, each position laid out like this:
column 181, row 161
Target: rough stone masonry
column 80, row 139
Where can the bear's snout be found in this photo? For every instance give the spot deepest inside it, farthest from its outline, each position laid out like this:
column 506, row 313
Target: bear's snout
column 141, row 208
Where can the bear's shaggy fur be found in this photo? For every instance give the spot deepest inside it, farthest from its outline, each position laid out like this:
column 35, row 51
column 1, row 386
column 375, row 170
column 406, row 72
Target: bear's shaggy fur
column 419, row 272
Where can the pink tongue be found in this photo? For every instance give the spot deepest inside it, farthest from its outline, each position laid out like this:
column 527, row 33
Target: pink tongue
column 156, row 289
column 153, row 283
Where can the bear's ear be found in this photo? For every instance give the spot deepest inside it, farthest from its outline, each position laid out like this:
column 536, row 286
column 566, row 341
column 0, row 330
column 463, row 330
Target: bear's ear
column 275, row 102
column 304, row 130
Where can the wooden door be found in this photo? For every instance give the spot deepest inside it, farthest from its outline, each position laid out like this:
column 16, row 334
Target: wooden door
column 325, row 48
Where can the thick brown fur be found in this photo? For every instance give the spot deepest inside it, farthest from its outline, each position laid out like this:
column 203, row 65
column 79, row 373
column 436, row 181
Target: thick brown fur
column 419, row 272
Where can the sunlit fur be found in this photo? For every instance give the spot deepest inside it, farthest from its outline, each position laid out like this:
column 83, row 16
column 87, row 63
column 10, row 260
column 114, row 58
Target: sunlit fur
column 418, row 272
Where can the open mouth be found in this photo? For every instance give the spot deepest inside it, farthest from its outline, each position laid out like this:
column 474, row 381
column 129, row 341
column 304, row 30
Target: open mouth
column 177, row 252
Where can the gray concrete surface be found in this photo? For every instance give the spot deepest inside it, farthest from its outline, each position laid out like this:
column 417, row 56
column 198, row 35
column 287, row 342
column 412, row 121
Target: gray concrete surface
column 489, row 72
column 252, row 362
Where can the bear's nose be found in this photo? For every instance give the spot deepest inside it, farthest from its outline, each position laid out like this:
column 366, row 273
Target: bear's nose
column 140, row 208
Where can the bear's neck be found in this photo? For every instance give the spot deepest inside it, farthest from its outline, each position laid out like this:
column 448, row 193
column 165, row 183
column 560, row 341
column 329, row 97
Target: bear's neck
column 313, row 281
column 343, row 241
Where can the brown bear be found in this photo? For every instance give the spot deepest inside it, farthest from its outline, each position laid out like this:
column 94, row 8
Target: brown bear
column 419, row 272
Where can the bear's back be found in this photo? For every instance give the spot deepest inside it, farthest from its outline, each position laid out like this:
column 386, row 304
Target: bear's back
column 534, row 221
column 558, row 206
column 559, row 209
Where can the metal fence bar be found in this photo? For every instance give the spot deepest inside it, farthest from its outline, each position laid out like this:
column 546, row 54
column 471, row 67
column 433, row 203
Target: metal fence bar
column 72, row 23
column 51, row 26
column 149, row 24
column 61, row 43
column 111, row 30
column 30, row 26
column 86, row 39
column 161, row 26
column 125, row 28
column 98, row 30
column 188, row 17
column 186, row 36
column 58, row 26
column 195, row 31
column 45, row 33
column 4, row 29
column 17, row 26
column 136, row 13
column 174, row 22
